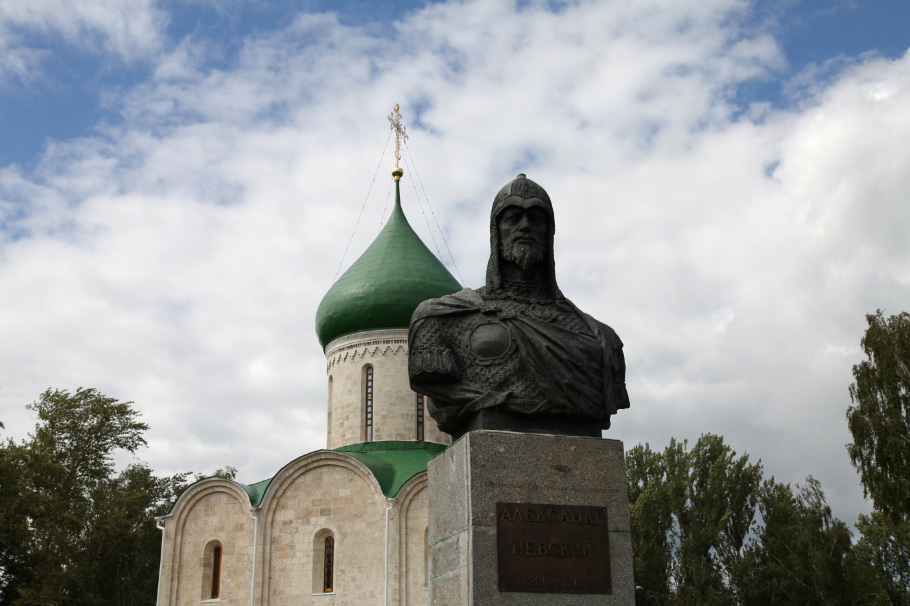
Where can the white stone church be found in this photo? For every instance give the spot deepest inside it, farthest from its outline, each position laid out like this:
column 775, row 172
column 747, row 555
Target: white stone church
column 345, row 525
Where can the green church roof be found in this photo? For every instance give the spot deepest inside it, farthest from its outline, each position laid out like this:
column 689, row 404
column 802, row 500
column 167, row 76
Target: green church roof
column 393, row 463
column 385, row 285
column 256, row 491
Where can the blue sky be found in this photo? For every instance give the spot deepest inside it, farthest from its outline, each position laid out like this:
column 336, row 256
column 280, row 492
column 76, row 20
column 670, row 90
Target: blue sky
column 68, row 98
column 179, row 182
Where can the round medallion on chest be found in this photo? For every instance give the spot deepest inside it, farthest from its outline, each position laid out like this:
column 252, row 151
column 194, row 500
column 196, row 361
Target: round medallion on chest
column 490, row 340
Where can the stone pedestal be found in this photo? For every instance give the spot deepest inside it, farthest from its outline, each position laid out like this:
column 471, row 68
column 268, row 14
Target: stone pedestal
column 554, row 485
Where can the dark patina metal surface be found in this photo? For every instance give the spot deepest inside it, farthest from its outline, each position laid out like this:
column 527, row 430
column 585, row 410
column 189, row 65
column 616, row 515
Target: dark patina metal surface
column 516, row 354
column 552, row 548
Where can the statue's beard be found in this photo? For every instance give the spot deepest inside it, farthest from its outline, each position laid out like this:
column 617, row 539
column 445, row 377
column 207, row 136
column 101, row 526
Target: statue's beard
column 523, row 254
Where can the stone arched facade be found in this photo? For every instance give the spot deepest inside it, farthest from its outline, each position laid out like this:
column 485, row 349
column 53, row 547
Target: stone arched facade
column 322, row 491
column 213, row 510
column 270, row 541
column 379, row 541
column 412, row 520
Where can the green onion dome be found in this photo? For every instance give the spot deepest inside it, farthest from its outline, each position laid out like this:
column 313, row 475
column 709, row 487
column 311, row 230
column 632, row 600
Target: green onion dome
column 385, row 285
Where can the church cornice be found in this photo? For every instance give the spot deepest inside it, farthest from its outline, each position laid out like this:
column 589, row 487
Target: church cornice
column 366, row 345
column 367, row 351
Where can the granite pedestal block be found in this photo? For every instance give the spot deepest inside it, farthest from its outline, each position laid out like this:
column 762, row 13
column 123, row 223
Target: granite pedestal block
column 484, row 468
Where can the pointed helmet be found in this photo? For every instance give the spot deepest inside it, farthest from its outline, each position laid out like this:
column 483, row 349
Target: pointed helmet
column 526, row 190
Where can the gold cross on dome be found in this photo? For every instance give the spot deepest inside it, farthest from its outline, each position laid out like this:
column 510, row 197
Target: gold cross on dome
column 400, row 134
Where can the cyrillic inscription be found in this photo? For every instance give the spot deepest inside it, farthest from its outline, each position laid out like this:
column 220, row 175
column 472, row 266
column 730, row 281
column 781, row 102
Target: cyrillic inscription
column 553, row 548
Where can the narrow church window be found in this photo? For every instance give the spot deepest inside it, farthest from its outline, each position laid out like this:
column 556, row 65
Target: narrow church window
column 328, row 566
column 368, row 403
column 216, row 572
column 211, row 570
column 420, row 405
column 323, row 579
column 329, row 416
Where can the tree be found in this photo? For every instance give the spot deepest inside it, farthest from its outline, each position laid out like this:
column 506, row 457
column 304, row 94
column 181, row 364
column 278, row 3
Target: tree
column 79, row 533
column 715, row 518
column 707, row 529
column 651, row 520
column 15, row 563
column 225, row 473
column 884, row 549
column 691, row 512
column 802, row 553
column 880, row 418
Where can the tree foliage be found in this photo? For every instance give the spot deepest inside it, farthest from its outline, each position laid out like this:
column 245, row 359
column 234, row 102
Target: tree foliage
column 884, row 549
column 880, row 418
column 801, row 554
column 707, row 529
column 15, row 561
column 651, row 521
column 73, row 530
column 225, row 473
column 691, row 512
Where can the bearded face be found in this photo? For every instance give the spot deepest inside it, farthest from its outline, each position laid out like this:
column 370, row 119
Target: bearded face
column 522, row 235
column 523, row 254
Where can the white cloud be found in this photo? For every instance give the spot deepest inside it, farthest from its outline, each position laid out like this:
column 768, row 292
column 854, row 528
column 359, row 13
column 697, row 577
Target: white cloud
column 178, row 258
column 126, row 29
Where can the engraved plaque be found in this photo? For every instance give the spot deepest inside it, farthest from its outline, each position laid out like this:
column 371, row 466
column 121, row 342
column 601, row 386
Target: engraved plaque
column 552, row 548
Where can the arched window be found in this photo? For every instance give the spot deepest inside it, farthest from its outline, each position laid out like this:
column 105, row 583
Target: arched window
column 368, row 403
column 420, row 409
column 216, row 572
column 328, row 566
column 328, row 427
column 324, row 561
column 211, row 571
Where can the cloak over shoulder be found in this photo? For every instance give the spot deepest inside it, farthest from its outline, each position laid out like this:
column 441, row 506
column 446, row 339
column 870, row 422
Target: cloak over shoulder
column 580, row 376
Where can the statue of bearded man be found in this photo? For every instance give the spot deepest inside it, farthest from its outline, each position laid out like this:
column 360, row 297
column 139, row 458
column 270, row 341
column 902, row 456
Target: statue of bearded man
column 516, row 354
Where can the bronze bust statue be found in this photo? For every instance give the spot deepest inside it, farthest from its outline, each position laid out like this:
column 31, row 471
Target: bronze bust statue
column 516, row 354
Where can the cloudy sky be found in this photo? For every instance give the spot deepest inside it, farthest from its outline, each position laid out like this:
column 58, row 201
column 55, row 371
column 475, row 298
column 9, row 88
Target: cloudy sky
column 179, row 181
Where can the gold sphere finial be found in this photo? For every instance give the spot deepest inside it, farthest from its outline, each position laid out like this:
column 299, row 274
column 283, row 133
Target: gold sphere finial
column 397, row 173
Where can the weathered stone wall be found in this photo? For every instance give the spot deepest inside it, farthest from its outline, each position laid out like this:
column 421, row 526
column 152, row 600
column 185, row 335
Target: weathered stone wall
column 394, row 404
column 216, row 510
column 323, row 491
column 318, row 494
column 412, row 551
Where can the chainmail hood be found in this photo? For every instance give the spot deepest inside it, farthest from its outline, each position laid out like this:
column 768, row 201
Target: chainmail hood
column 522, row 187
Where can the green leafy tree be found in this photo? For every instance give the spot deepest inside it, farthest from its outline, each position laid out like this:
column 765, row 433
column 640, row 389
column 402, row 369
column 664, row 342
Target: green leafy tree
column 80, row 533
column 15, row 562
column 880, row 418
column 225, row 473
column 884, row 550
column 707, row 529
column 651, row 520
column 714, row 519
column 803, row 554
column 879, row 422
column 691, row 513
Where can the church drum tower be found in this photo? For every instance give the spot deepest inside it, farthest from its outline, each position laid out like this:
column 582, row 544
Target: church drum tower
column 346, row 525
